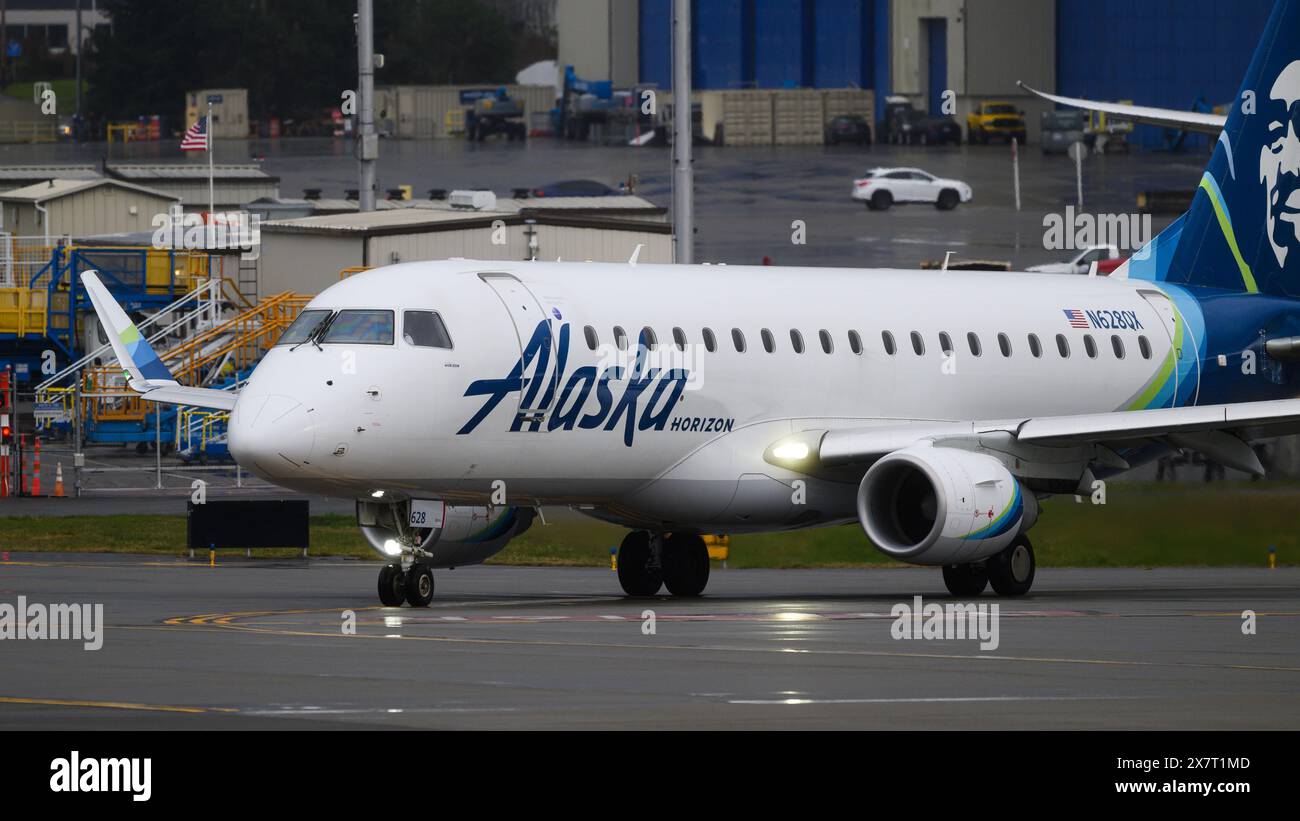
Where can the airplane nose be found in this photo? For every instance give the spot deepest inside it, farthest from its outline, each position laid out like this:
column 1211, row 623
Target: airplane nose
column 271, row 434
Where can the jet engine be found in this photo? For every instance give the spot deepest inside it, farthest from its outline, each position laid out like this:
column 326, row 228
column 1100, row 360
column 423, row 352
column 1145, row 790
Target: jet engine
column 469, row 534
column 935, row 505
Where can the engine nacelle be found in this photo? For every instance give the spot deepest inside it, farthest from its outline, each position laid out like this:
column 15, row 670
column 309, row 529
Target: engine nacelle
column 929, row 505
column 470, row 534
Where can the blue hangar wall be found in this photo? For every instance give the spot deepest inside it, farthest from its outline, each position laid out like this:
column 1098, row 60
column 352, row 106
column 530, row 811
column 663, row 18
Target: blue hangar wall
column 771, row 43
column 1166, row 53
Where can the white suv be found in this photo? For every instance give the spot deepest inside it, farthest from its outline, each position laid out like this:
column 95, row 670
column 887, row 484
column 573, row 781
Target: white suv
column 882, row 187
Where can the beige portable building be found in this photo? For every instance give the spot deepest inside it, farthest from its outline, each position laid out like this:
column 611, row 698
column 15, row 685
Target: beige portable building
column 80, row 208
column 308, row 255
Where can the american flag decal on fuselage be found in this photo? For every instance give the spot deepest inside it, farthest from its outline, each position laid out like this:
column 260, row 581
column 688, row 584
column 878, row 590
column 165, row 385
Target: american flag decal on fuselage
column 1076, row 318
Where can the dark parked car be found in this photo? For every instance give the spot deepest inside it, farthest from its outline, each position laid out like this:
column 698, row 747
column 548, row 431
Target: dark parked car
column 919, row 128
column 574, row 188
column 849, row 128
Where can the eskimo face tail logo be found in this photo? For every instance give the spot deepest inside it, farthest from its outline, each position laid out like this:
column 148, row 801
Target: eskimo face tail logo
column 1279, row 166
column 533, row 377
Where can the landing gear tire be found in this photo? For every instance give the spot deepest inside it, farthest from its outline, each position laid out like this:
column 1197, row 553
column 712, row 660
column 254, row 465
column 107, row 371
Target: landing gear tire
column 419, row 585
column 686, row 564
column 1011, row 572
column 966, row 580
column 392, row 585
column 635, row 571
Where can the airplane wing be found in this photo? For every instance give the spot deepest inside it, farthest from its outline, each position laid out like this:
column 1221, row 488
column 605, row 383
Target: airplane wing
column 1218, row 431
column 146, row 374
column 1167, row 117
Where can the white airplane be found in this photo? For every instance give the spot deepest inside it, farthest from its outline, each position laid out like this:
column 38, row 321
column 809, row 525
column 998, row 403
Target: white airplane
column 455, row 399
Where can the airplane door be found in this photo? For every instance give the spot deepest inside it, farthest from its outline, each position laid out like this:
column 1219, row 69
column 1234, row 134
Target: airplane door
column 527, row 315
column 1164, row 309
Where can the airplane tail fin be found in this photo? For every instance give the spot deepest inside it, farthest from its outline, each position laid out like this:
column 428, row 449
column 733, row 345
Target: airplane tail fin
column 1242, row 232
column 143, row 367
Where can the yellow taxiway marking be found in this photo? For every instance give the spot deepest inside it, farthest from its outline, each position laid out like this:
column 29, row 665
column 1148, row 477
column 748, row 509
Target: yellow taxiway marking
column 113, row 705
column 225, row 621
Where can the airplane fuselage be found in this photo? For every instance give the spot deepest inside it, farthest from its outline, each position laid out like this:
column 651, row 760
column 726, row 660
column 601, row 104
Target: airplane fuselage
column 676, row 435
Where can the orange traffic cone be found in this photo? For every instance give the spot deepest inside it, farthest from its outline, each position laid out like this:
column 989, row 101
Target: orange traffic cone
column 58, row 480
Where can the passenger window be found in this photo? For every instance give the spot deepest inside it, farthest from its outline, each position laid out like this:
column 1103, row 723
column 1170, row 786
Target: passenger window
column 945, row 343
column 855, row 342
column 888, row 339
column 1144, row 345
column 307, row 323
column 361, row 328
column 425, row 329
column 1090, row 346
column 769, row 344
column 974, row 342
column 1035, row 347
column 710, row 342
column 620, row 337
column 648, row 338
column 1063, row 346
column 593, row 341
column 679, row 339
column 1004, row 344
column 738, row 339
column 828, row 345
column 1118, row 345
column 918, row 344
column 796, row 341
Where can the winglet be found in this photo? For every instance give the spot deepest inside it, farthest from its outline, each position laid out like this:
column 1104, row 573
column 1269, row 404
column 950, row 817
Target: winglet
column 143, row 368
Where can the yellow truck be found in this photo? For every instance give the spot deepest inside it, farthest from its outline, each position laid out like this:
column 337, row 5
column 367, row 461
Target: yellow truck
column 995, row 118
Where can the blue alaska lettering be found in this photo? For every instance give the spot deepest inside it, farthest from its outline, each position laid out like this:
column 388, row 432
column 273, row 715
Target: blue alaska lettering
column 642, row 399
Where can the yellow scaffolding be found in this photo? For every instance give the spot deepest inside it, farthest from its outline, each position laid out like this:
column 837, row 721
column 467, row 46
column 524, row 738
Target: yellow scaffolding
column 251, row 334
column 22, row 311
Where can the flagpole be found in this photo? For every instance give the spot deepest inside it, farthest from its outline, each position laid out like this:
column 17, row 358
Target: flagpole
column 212, row 199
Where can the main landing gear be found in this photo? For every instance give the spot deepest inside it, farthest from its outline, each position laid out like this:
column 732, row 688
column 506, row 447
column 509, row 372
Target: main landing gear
column 648, row 561
column 413, row 585
column 1011, row 572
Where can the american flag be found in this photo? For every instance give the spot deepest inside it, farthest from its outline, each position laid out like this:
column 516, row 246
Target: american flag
column 1076, row 318
column 196, row 138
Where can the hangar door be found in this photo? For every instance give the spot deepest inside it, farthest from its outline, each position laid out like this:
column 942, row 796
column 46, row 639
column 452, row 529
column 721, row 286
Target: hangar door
column 936, row 46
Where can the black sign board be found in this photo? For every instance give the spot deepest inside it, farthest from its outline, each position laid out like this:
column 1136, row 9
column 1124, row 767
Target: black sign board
column 248, row 523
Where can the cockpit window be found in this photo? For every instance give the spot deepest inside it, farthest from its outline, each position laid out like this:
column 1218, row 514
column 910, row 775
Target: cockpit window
column 424, row 329
column 368, row 327
column 303, row 327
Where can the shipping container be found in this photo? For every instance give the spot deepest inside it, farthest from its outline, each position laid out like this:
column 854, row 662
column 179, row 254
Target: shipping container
column 798, row 117
column 230, row 115
column 429, row 112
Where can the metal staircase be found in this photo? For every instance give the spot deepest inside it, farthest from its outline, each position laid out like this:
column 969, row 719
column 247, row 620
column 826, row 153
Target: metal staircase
column 219, row 357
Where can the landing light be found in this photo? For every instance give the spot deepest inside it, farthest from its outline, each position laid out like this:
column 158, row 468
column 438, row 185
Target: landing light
column 392, row 548
column 378, row 494
column 791, row 451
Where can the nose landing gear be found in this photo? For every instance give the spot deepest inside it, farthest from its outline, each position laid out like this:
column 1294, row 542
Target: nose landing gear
column 419, row 585
column 392, row 585
column 413, row 585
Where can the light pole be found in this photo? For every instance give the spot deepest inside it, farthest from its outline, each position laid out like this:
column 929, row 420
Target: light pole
column 367, row 141
column 683, row 133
